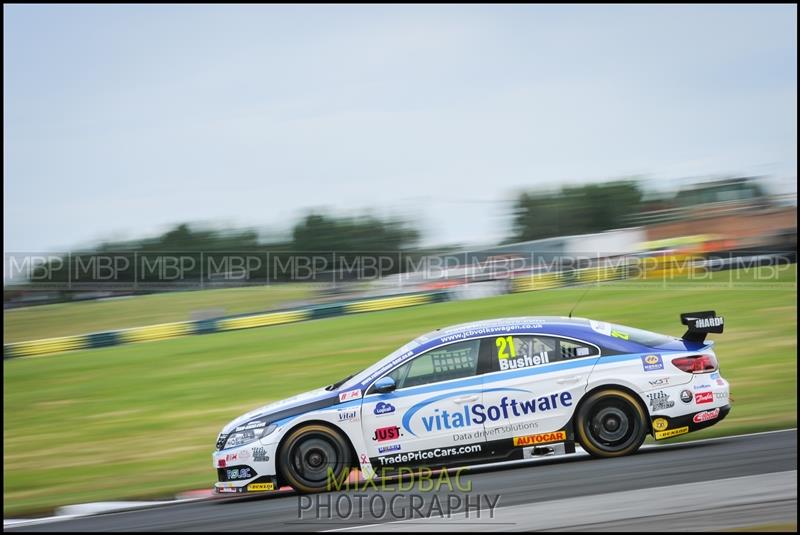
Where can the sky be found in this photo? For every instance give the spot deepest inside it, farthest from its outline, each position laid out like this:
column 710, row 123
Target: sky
column 120, row 121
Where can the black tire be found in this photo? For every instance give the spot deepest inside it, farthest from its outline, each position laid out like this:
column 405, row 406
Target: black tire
column 611, row 423
column 308, row 452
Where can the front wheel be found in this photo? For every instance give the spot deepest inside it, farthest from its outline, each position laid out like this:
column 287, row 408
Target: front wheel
column 611, row 423
column 313, row 458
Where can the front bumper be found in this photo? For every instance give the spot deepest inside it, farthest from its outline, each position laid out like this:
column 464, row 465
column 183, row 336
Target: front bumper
column 249, row 468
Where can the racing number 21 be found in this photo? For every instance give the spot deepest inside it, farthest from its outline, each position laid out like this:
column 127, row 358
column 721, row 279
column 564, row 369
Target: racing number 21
column 502, row 344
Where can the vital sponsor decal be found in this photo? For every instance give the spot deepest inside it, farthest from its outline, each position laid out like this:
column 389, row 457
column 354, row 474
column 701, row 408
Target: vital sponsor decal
column 348, row 415
column 651, row 363
column 704, row 397
column 687, row 396
column 383, row 434
column 672, row 432
column 660, row 424
column 260, row 487
column 705, row 416
column 390, row 447
column 659, row 401
column 347, row 396
column 542, row 438
column 260, row 455
column 382, row 408
column 431, row 455
column 478, row 414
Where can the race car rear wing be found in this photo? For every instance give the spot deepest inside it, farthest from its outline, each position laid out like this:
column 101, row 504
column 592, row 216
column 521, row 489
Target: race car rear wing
column 700, row 324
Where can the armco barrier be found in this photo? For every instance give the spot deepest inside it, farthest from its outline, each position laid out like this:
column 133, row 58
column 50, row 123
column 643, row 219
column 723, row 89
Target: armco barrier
column 173, row 330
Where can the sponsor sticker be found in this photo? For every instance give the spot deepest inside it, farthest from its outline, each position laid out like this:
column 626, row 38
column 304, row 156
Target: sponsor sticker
column 705, row 416
column 661, row 381
column 542, row 438
column 475, row 415
column 687, row 396
column 660, row 424
column 382, row 408
column 706, row 323
column 619, row 334
column 260, row 487
column 227, row 490
column 383, row 434
column 651, row 363
column 347, row 396
column 260, row 455
column 659, row 401
column 389, row 448
column 348, row 415
column 704, row 397
column 239, row 473
column 252, row 425
column 672, row 432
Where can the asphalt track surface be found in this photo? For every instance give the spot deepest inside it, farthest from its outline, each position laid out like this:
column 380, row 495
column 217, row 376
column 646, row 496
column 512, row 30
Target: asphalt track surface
column 711, row 484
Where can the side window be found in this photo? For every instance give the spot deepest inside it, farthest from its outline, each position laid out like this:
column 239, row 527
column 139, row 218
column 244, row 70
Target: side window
column 452, row 361
column 512, row 352
column 569, row 349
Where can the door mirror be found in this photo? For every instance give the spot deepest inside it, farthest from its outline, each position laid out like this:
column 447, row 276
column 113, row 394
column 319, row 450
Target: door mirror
column 385, row 384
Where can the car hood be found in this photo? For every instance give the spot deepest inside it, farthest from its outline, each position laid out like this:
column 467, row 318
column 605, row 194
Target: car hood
column 284, row 408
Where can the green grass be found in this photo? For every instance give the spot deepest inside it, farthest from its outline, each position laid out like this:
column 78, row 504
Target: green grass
column 140, row 420
column 63, row 319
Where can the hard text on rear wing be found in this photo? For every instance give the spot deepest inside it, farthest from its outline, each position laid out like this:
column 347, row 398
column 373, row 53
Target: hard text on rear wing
column 699, row 324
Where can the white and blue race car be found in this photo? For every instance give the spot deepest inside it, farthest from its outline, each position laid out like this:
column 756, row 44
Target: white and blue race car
column 505, row 389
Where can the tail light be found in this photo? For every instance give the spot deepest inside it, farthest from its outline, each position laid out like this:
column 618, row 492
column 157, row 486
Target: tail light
column 696, row 363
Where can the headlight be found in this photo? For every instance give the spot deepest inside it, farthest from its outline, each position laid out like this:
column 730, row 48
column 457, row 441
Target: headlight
column 242, row 435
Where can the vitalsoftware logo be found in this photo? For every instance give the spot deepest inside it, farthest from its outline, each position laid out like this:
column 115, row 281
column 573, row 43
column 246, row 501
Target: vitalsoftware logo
column 478, row 413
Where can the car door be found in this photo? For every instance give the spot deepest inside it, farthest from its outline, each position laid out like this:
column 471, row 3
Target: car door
column 538, row 380
column 428, row 418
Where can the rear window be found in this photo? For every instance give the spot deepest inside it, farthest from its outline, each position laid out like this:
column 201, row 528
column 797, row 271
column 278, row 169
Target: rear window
column 639, row 336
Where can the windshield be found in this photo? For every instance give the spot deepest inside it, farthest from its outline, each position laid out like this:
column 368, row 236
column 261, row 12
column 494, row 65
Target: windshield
column 384, row 362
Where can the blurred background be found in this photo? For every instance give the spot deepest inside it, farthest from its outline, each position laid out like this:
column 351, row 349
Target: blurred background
column 348, row 177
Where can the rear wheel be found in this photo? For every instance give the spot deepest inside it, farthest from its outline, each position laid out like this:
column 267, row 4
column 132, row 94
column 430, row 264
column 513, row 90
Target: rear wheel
column 311, row 456
column 611, row 423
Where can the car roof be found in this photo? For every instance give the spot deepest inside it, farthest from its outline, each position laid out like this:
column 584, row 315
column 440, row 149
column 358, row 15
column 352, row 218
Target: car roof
column 552, row 324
